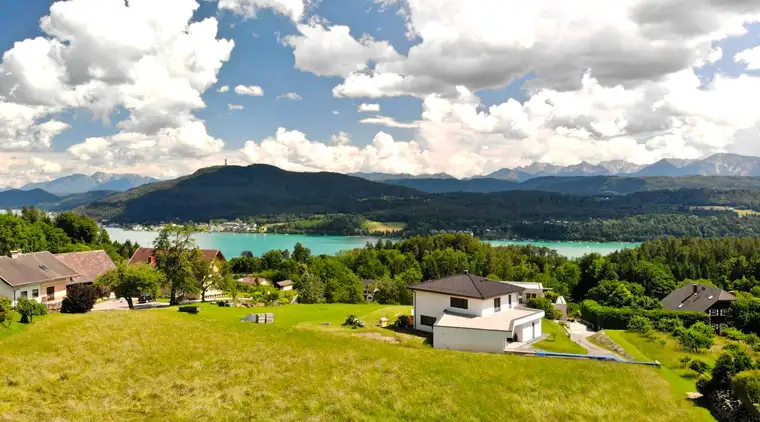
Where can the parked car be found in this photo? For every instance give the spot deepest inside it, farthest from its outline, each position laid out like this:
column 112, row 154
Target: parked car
column 145, row 298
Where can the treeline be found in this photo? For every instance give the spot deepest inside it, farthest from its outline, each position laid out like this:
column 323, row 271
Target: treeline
column 35, row 231
column 635, row 278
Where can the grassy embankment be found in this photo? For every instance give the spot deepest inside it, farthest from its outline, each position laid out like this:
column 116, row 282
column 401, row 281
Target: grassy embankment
column 165, row 365
column 669, row 355
column 378, row 226
column 558, row 340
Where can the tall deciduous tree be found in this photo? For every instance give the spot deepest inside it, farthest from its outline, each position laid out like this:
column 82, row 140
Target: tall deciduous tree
column 173, row 252
column 129, row 281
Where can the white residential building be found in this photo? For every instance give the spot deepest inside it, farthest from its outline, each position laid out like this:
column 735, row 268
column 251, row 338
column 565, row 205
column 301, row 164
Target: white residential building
column 468, row 312
column 531, row 290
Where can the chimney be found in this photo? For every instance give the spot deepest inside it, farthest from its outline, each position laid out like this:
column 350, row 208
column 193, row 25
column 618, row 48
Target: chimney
column 696, row 288
column 15, row 254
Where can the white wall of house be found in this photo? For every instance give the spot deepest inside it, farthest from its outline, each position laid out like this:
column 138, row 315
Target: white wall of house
column 529, row 330
column 527, row 294
column 13, row 293
column 434, row 305
column 470, row 339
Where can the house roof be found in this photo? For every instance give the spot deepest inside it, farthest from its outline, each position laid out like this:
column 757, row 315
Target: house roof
column 284, row 283
column 143, row 255
column 254, row 281
column 37, row 267
column 499, row 321
column 468, row 285
column 89, row 264
column 527, row 285
column 695, row 297
column 367, row 282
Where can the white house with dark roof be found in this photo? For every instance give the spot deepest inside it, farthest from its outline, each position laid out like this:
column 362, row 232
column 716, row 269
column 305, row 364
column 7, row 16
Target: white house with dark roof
column 468, row 312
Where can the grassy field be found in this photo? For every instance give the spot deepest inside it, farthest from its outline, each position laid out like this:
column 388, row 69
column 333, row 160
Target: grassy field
column 168, row 366
column 558, row 340
column 378, row 226
column 740, row 212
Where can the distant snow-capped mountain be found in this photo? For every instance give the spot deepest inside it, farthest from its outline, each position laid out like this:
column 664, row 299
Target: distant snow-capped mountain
column 81, row 183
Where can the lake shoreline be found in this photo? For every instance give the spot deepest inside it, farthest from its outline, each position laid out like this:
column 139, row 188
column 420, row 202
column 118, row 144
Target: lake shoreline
column 233, row 244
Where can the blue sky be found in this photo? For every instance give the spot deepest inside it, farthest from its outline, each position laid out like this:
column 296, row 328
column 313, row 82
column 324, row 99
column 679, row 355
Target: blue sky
column 463, row 87
column 259, row 58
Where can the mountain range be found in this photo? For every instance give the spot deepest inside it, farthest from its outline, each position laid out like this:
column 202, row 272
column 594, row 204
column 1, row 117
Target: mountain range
column 16, row 198
column 81, row 183
column 714, row 165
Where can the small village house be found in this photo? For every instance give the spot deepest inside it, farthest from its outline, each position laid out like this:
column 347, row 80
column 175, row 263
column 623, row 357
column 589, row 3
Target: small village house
column 39, row 276
column 369, row 289
column 89, row 264
column 254, row 281
column 213, row 256
column 285, row 284
column 531, row 290
column 469, row 312
column 695, row 297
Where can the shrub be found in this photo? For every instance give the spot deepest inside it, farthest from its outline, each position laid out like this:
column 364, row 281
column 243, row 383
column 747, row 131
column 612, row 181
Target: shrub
column 29, row 309
column 618, row 318
column 730, row 362
column 545, row 305
column 685, row 360
column 699, row 366
column 402, row 321
column 6, row 312
column 747, row 385
column 733, row 334
column 80, row 298
column 354, row 322
column 752, row 340
column 640, row 324
column 669, row 325
column 697, row 338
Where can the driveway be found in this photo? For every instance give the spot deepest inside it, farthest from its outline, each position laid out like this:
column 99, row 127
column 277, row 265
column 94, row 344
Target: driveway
column 579, row 333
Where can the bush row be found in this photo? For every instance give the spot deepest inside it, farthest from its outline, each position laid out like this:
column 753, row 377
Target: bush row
column 618, row 318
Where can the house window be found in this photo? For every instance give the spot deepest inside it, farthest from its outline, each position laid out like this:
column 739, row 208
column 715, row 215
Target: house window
column 24, row 294
column 35, row 293
column 497, row 304
column 510, row 301
column 427, row 320
column 713, row 312
column 458, row 303
column 51, row 293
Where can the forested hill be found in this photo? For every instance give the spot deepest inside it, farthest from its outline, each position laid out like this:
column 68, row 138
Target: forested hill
column 234, row 191
column 15, row 198
column 579, row 185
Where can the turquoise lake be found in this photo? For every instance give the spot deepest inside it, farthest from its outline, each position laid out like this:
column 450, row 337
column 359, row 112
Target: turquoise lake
column 231, row 244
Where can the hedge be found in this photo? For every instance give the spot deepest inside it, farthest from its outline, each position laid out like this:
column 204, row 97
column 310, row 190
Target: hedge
column 618, row 318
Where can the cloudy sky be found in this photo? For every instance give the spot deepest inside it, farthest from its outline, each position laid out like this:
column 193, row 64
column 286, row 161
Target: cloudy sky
column 466, row 87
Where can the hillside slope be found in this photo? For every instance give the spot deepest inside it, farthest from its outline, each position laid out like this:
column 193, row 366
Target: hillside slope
column 16, row 198
column 233, row 191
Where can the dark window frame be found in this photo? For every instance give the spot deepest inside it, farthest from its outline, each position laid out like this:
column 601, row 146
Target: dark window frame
column 50, row 295
column 497, row 304
column 459, row 303
column 35, row 293
column 425, row 318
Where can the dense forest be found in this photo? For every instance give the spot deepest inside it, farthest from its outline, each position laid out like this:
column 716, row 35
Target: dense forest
column 34, row 231
column 631, row 278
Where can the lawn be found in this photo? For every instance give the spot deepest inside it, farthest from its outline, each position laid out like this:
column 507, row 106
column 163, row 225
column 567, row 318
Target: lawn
column 379, row 226
column 558, row 340
column 164, row 365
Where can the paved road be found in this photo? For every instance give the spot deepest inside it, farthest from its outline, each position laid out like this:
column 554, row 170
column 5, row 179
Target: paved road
column 579, row 333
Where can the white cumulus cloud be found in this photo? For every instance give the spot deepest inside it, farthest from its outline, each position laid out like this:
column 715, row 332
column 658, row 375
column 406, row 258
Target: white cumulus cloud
column 290, row 96
column 367, row 108
column 252, row 90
